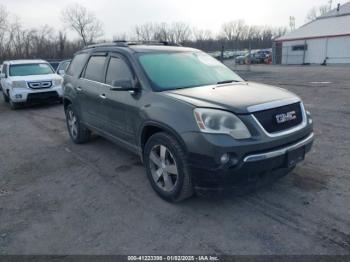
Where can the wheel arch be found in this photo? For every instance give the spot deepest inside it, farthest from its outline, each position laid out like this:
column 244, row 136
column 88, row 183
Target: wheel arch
column 66, row 102
column 151, row 127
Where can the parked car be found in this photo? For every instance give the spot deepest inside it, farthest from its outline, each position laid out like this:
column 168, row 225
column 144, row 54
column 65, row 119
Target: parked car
column 194, row 123
column 247, row 58
column 62, row 67
column 54, row 63
column 261, row 55
column 30, row 81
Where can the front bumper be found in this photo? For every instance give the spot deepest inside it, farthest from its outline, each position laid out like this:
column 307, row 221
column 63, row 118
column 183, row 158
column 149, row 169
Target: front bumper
column 251, row 166
column 28, row 95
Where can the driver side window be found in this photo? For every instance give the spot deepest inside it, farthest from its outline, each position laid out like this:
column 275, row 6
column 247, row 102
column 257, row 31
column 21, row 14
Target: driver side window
column 117, row 70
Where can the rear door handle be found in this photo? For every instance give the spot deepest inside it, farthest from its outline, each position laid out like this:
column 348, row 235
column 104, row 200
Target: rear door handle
column 103, row 96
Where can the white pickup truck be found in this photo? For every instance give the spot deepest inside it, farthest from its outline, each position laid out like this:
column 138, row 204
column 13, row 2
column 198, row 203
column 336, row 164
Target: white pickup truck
column 30, row 81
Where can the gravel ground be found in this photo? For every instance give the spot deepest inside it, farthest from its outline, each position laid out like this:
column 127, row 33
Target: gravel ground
column 61, row 198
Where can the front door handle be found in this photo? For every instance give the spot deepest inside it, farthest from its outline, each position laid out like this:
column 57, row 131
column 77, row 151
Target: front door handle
column 103, row 96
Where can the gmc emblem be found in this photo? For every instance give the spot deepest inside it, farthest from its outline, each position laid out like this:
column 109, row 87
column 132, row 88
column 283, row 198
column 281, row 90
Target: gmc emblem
column 289, row 116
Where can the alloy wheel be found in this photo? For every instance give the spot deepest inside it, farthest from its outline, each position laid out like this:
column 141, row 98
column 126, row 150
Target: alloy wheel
column 163, row 168
column 72, row 123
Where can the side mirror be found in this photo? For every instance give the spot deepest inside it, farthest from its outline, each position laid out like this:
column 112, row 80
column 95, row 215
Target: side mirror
column 61, row 72
column 2, row 75
column 123, row 85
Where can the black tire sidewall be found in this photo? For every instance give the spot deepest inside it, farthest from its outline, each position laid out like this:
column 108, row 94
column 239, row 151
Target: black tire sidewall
column 6, row 98
column 70, row 108
column 163, row 139
column 13, row 105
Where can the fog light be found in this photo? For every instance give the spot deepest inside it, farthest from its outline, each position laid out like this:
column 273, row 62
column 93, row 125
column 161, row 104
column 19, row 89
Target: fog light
column 18, row 96
column 310, row 121
column 225, row 158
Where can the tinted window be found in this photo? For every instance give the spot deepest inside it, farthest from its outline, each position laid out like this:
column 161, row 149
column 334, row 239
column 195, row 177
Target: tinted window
column 77, row 65
column 94, row 69
column 184, row 69
column 30, row 69
column 299, row 47
column 54, row 65
column 117, row 70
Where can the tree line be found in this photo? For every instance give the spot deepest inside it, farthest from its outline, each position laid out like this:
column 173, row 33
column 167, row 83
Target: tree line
column 19, row 42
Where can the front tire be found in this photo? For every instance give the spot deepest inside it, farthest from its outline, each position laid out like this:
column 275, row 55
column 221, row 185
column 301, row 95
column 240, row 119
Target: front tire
column 13, row 105
column 6, row 98
column 77, row 132
column 165, row 163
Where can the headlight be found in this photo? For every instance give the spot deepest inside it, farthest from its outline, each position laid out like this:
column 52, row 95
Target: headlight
column 57, row 82
column 19, row 84
column 220, row 122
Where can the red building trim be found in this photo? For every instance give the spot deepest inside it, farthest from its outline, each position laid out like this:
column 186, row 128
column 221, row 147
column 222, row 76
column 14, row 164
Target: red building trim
column 309, row 38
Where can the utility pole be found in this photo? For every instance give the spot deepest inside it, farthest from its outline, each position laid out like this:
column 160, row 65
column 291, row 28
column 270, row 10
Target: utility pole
column 222, row 51
column 292, row 23
column 330, row 4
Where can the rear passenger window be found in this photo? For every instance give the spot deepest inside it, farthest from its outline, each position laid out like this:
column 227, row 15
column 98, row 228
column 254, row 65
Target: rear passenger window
column 118, row 70
column 95, row 68
column 77, row 65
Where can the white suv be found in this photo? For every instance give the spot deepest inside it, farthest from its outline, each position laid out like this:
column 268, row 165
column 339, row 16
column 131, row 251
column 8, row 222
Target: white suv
column 30, row 81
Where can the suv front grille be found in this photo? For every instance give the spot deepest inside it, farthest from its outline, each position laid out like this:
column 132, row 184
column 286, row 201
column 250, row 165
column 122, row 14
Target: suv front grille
column 280, row 118
column 40, row 85
column 43, row 96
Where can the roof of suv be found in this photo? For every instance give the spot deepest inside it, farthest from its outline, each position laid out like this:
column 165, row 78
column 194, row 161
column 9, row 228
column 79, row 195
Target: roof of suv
column 157, row 48
column 25, row 61
column 135, row 47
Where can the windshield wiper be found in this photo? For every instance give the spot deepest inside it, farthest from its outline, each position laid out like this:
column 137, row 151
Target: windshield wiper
column 227, row 82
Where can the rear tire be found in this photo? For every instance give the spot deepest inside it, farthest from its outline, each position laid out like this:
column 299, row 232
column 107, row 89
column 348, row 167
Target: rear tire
column 166, row 167
column 77, row 131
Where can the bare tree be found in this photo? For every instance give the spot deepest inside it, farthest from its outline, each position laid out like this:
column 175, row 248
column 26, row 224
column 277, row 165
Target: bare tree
column 121, row 37
column 145, row 32
column 201, row 35
column 317, row 12
column 233, row 30
column 3, row 27
column 179, row 32
column 62, row 41
column 83, row 22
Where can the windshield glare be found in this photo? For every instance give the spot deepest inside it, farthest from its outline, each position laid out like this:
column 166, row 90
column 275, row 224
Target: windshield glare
column 30, row 69
column 184, row 69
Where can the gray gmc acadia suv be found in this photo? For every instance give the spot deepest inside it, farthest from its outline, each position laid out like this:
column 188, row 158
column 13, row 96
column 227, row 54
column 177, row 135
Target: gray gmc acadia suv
column 195, row 124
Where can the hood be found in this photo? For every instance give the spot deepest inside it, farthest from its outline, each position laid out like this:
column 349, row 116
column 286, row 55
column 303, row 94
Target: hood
column 33, row 78
column 235, row 97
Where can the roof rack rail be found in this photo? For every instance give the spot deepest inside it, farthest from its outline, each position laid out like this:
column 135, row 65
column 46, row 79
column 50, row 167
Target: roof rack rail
column 167, row 43
column 124, row 43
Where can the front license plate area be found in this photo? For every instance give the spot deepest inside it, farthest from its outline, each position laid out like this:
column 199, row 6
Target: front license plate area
column 295, row 156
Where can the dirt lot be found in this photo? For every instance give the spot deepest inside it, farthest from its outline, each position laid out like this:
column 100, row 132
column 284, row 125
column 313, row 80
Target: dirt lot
column 60, row 198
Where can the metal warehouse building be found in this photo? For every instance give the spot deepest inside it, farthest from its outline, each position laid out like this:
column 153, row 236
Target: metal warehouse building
column 324, row 40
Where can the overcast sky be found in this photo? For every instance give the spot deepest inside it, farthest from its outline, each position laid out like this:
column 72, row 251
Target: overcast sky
column 119, row 16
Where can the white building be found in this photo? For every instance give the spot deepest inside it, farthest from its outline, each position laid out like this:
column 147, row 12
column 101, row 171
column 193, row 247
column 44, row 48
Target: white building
column 324, row 40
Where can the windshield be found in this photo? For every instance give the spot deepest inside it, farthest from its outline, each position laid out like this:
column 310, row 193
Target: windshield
column 30, row 69
column 184, row 69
